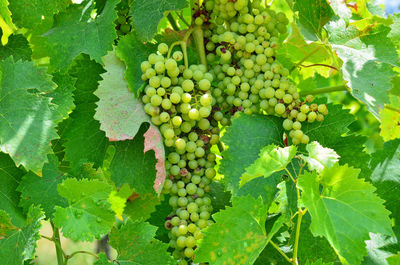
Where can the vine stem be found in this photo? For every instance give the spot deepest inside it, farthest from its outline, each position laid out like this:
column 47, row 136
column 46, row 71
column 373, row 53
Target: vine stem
column 392, row 108
column 324, row 90
column 82, row 252
column 198, row 36
column 280, row 251
column 172, row 22
column 301, row 213
column 305, row 58
column 59, row 251
column 319, row 64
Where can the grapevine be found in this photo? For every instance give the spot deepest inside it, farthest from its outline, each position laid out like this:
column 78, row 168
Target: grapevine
column 199, row 132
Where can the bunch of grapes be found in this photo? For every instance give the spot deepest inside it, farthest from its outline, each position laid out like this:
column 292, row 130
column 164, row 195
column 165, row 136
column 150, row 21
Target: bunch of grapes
column 179, row 101
column 241, row 49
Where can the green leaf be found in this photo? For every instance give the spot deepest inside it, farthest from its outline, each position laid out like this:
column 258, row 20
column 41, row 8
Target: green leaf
column 20, row 245
column 145, row 250
column 26, row 116
column 119, row 112
column 239, row 229
column 132, row 166
column 102, row 260
column 386, row 178
column 345, row 212
column 319, row 157
column 271, row 159
column 117, row 199
column 10, row 177
column 390, row 119
column 220, row 197
column 18, row 47
column 379, row 248
column 140, row 207
column 82, row 138
column 363, row 53
column 62, row 96
column 6, row 226
column 75, row 32
column 6, row 25
column 157, row 218
column 42, row 190
column 329, row 133
column 313, row 15
column 146, row 14
column 394, row 260
column 88, row 214
column 30, row 13
column 245, row 138
column 133, row 52
column 318, row 262
column 295, row 49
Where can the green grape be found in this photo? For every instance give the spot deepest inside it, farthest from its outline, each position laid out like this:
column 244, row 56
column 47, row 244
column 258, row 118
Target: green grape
column 287, row 124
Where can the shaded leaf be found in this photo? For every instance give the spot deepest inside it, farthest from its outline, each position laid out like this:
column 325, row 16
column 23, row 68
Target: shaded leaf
column 135, row 244
column 146, row 14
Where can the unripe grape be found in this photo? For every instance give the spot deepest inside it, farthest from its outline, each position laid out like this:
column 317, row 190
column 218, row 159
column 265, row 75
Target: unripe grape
column 280, row 108
column 287, row 124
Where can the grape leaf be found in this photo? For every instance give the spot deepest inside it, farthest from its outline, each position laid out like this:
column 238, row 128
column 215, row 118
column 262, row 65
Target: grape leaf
column 220, row 197
column 132, row 51
column 62, row 96
column 10, row 177
column 394, row 34
column 88, row 214
column 117, row 199
column 313, row 15
column 75, row 32
column 20, row 245
column 238, row 235
column 318, row 262
column 119, row 112
column 30, row 13
column 329, row 134
column 6, row 25
column 319, row 157
column 82, row 138
column 140, row 207
column 18, row 47
column 295, row 48
column 390, row 120
column 386, row 177
column 364, row 53
column 394, row 260
column 135, row 244
column 26, row 124
column 132, row 166
column 245, row 138
column 379, row 248
column 6, row 226
column 37, row 190
column 154, row 141
column 157, row 218
column 146, row 14
column 271, row 159
column 345, row 212
column 102, row 260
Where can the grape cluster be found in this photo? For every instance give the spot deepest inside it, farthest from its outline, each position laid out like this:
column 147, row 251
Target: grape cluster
column 179, row 101
column 241, row 46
